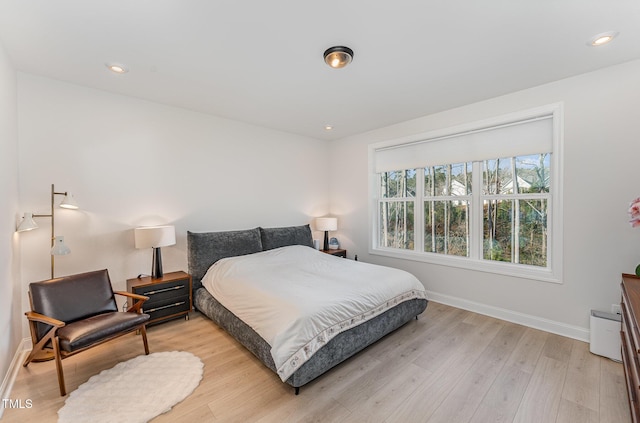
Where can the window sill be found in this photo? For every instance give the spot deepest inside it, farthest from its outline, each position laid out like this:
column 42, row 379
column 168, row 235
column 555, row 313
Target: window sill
column 500, row 268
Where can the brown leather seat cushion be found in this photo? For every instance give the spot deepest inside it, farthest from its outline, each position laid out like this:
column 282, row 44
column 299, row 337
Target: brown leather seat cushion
column 85, row 332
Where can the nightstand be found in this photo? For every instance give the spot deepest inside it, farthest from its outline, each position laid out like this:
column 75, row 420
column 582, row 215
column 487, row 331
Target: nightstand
column 169, row 296
column 339, row 252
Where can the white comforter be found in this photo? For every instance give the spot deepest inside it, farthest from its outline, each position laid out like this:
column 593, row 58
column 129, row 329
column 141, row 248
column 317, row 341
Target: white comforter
column 297, row 298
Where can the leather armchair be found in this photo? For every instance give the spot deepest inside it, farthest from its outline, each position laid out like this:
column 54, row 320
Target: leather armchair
column 74, row 313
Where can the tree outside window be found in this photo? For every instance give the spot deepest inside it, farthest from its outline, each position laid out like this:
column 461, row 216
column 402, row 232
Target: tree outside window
column 514, row 202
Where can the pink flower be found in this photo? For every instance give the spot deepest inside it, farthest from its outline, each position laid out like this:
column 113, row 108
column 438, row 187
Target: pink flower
column 634, row 213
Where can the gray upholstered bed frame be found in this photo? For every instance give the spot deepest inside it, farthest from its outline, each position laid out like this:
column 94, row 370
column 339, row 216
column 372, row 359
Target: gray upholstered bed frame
column 204, row 249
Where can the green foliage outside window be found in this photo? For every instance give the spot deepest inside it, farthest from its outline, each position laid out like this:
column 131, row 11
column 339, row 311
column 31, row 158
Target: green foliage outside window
column 515, row 228
column 446, row 205
column 514, row 199
column 397, row 215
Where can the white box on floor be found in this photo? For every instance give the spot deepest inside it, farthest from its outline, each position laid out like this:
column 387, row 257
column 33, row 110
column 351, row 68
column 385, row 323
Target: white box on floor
column 605, row 334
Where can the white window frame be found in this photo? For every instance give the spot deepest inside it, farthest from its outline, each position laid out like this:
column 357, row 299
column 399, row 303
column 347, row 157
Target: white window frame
column 554, row 270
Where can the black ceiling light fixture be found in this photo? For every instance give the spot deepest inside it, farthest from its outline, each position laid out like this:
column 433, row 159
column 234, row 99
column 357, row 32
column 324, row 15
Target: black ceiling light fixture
column 338, row 57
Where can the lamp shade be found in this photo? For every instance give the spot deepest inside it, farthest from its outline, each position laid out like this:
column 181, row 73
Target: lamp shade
column 27, row 223
column 154, row 236
column 68, row 202
column 326, row 223
column 59, row 247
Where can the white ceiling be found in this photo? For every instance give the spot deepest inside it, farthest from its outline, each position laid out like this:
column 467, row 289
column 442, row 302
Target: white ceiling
column 260, row 61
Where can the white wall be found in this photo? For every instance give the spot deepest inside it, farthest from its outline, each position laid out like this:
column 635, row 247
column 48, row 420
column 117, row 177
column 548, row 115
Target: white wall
column 10, row 291
column 601, row 156
column 131, row 162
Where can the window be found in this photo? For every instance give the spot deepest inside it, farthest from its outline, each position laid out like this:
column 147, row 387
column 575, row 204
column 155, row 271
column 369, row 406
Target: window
column 483, row 197
column 515, row 201
column 447, row 195
column 397, row 194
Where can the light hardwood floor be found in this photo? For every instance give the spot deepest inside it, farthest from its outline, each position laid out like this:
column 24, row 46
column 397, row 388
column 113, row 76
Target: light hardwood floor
column 449, row 366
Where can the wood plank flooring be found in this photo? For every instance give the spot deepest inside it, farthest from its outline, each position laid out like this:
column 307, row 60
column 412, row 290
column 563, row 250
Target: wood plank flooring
column 450, row 366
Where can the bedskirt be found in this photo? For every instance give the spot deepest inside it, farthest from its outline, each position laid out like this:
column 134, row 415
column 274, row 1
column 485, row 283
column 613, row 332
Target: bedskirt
column 334, row 352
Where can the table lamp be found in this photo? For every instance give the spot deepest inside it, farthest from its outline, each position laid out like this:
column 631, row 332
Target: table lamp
column 326, row 224
column 155, row 237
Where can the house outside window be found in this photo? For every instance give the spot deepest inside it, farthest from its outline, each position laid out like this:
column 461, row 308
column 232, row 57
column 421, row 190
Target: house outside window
column 484, row 196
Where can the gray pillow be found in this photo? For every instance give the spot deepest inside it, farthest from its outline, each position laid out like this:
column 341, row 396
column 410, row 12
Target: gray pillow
column 282, row 237
column 206, row 248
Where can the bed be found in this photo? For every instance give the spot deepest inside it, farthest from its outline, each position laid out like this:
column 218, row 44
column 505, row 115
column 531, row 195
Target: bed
column 233, row 249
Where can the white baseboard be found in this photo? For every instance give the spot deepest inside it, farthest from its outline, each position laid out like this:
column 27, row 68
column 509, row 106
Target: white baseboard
column 12, row 372
column 570, row 331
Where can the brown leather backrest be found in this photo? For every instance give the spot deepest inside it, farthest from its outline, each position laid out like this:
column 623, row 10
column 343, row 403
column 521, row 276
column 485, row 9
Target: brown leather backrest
column 74, row 297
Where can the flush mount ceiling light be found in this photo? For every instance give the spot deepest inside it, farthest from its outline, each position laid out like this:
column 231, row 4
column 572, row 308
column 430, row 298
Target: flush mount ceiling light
column 602, row 39
column 328, row 127
column 338, row 57
column 116, row 68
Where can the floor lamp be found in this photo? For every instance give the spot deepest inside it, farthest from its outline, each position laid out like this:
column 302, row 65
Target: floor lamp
column 58, row 246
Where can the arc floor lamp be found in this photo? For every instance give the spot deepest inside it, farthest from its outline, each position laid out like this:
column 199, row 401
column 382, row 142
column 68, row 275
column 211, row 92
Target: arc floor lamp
column 58, row 246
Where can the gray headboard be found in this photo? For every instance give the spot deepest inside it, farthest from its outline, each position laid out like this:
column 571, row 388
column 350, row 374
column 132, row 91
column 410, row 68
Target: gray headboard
column 205, row 248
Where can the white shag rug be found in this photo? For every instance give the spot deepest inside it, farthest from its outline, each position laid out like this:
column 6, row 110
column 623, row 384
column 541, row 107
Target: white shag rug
column 134, row 391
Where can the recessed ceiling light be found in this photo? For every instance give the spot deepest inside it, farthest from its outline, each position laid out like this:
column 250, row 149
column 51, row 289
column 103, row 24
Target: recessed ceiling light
column 328, row 127
column 117, row 68
column 602, row 39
